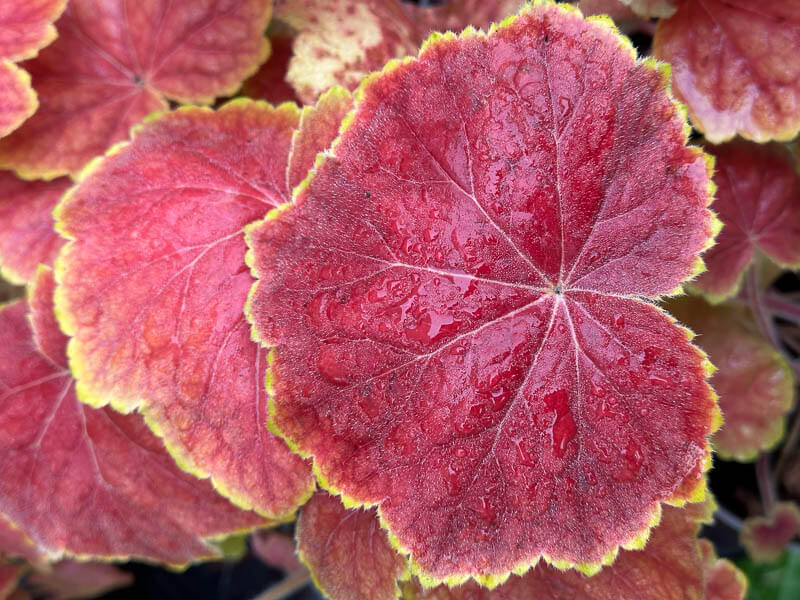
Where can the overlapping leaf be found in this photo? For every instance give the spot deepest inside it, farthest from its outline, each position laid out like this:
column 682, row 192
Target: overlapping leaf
column 757, row 202
column 455, row 15
column 26, row 26
column 269, row 82
column 735, row 64
column 724, row 581
column 350, row 557
column 765, row 538
column 755, row 383
column 27, row 237
column 154, row 284
column 453, row 301
column 117, row 61
column 85, row 482
column 73, row 580
column 9, row 578
column 15, row 544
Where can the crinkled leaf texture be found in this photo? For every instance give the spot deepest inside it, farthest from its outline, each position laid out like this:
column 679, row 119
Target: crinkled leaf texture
column 26, row 26
column 765, row 538
column 724, row 581
column 350, row 557
column 754, row 381
column 735, row 64
column 154, row 284
column 116, row 62
column 27, row 236
column 758, row 187
column 85, row 482
column 454, row 301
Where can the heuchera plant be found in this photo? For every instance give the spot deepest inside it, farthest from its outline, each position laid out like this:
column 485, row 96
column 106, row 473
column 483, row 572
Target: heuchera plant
column 458, row 296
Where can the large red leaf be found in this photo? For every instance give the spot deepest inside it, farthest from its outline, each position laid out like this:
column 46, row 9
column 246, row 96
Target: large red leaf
column 26, row 26
column 454, row 300
column 154, row 285
column 85, row 482
column 350, row 558
column 765, row 538
column 735, row 64
column 757, row 202
column 27, row 236
column 117, row 61
column 755, row 383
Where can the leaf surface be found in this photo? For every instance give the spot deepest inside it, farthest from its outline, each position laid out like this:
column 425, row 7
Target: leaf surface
column 735, row 65
column 154, row 284
column 269, row 82
column 724, row 581
column 758, row 188
column 765, row 538
column 340, row 42
column 350, row 557
column 456, row 15
column 26, row 26
column 755, row 383
column 27, row 236
column 116, row 62
column 454, row 301
column 347, row 552
column 10, row 575
column 17, row 98
column 89, row 482
column 74, row 580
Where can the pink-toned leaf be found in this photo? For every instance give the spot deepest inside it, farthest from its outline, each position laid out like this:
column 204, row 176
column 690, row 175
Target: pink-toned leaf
column 724, row 581
column 319, row 126
column 154, row 286
column 350, row 558
column 341, row 41
column 765, row 538
column 72, row 580
column 454, row 301
column 735, row 64
column 15, row 544
column 85, row 482
column 17, row 98
column 347, row 552
column 27, row 236
column 116, row 62
column 755, row 384
column 662, row 9
column 758, row 187
column 276, row 550
column 455, row 15
column 26, row 26
column 269, row 82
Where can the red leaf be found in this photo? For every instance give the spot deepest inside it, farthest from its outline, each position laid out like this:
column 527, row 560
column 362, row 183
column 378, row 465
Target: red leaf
column 450, row 346
column 755, row 383
column 275, row 550
column 27, row 237
column 92, row 483
column 347, row 552
column 72, row 580
column 269, row 83
column 154, row 285
column 17, row 98
column 116, row 62
column 724, row 581
column 15, row 544
column 735, row 64
column 765, row 538
column 25, row 27
column 350, row 557
column 757, row 202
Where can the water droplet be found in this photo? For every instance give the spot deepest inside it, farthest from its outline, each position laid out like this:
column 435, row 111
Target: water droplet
column 659, row 381
column 593, row 256
column 619, row 321
column 332, row 367
column 563, row 428
column 460, row 452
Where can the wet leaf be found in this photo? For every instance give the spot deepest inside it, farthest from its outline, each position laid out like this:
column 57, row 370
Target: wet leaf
column 455, row 301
